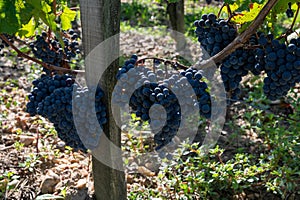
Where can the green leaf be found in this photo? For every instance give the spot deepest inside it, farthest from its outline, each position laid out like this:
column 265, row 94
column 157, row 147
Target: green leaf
column 229, row 1
column 26, row 13
column 48, row 19
column 67, row 17
column 46, row 7
column 35, row 3
column 28, row 29
column 282, row 6
column 9, row 21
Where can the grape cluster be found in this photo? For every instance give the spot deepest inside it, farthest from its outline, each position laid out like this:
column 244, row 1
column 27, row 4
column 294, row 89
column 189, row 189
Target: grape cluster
column 282, row 65
column 90, row 117
column 238, row 64
column 43, row 87
column 193, row 78
column 143, row 89
column 51, row 98
column 289, row 12
column 214, row 34
column 232, row 71
column 50, row 51
column 280, row 62
column 262, row 53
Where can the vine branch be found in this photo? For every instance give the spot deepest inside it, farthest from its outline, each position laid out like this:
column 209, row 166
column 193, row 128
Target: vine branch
column 296, row 15
column 46, row 65
column 240, row 40
column 219, row 13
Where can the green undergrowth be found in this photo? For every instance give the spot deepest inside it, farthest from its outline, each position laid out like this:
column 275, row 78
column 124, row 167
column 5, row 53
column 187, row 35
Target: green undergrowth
column 266, row 168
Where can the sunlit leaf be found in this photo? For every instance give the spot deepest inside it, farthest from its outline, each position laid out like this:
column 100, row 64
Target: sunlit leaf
column 28, row 29
column 67, row 17
column 248, row 16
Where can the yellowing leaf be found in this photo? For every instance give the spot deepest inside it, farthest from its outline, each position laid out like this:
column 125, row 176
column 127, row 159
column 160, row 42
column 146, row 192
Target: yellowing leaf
column 247, row 16
column 67, row 17
column 234, row 7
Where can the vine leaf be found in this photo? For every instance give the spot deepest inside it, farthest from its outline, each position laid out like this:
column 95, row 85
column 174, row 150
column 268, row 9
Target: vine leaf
column 282, row 6
column 233, row 7
column 229, row 1
column 9, row 22
column 28, row 29
column 67, row 17
column 242, row 4
column 26, row 13
column 248, row 16
column 48, row 19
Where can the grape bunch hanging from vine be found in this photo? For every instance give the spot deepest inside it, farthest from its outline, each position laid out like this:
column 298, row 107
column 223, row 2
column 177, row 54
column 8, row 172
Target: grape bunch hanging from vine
column 240, row 44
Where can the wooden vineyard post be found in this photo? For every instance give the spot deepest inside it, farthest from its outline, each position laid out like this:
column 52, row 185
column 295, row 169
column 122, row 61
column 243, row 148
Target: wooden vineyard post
column 100, row 20
column 176, row 16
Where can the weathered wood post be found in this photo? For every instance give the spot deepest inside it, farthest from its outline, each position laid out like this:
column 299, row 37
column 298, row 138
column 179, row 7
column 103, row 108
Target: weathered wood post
column 100, row 20
column 176, row 17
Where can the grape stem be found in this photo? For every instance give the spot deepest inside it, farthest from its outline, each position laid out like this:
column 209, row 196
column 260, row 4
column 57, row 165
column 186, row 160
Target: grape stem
column 238, row 41
column 46, row 65
column 54, row 7
column 219, row 13
column 229, row 12
column 296, row 15
column 174, row 64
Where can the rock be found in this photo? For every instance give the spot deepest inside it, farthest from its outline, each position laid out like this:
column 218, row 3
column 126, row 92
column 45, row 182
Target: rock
column 59, row 187
column 21, row 122
column 91, row 188
column 74, row 166
column 144, row 171
column 63, row 167
column 129, row 178
column 60, row 145
column 81, row 184
column 79, row 156
column 75, row 175
column 13, row 183
column 62, row 161
column 84, row 172
column 26, row 140
column 49, row 182
column 153, row 166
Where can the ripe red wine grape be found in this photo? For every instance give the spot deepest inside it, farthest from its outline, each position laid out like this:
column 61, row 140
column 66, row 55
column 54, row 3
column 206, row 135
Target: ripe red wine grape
column 282, row 66
column 51, row 98
column 150, row 90
column 214, row 34
column 50, row 51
